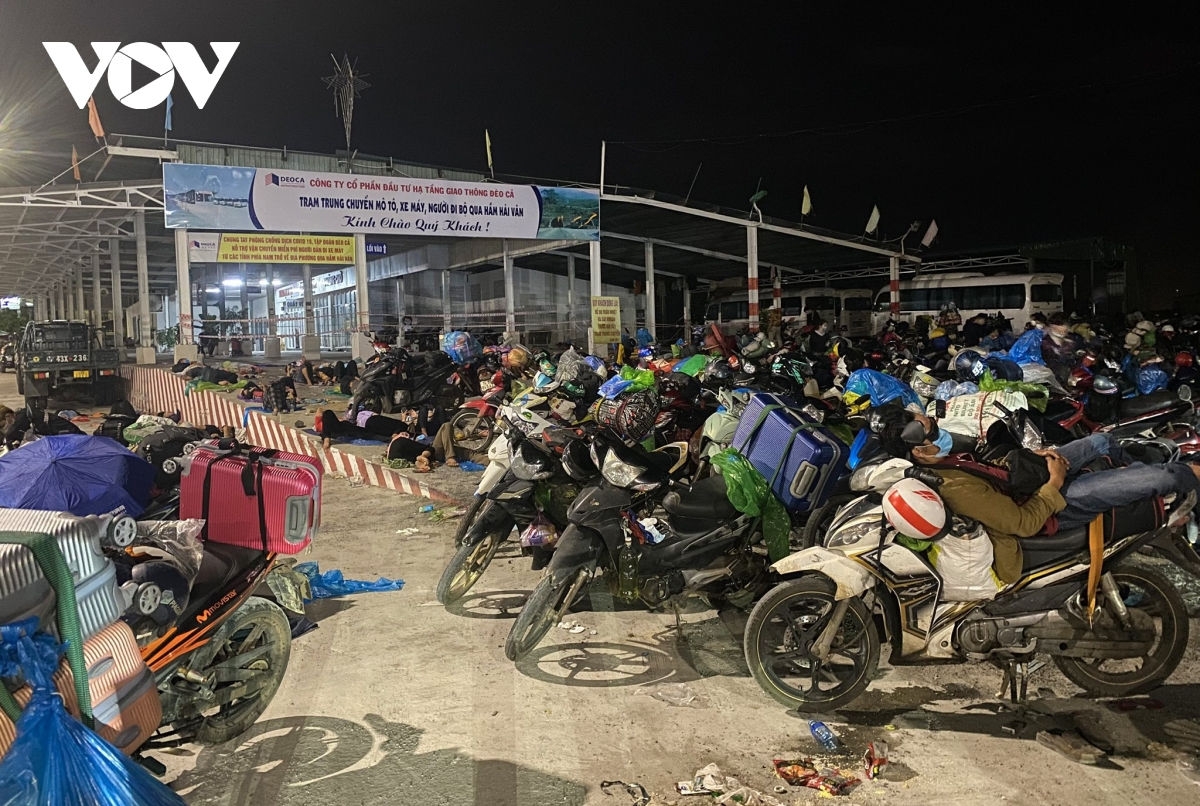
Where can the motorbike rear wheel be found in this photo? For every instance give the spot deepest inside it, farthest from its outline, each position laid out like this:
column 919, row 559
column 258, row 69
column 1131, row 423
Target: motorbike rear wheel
column 248, row 655
column 469, row 562
column 1147, row 590
column 471, row 430
column 778, row 640
column 542, row 610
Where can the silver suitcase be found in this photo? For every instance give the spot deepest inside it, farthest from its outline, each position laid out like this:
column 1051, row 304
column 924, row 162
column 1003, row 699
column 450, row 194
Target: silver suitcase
column 25, row 592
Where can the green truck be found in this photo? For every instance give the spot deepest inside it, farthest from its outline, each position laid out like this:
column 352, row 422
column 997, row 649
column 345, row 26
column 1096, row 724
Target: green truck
column 58, row 358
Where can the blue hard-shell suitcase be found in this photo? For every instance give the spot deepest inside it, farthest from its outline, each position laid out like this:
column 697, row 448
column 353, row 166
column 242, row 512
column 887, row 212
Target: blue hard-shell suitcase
column 800, row 459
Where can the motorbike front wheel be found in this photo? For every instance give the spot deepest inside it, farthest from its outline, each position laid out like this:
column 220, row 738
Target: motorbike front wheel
column 544, row 608
column 471, row 430
column 779, row 637
column 470, row 561
column 1147, row 590
column 248, row 656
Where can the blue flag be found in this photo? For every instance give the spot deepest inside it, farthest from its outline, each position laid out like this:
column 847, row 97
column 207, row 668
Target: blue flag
column 170, row 103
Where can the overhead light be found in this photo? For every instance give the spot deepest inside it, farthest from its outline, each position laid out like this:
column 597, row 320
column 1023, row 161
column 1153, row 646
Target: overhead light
column 277, row 282
column 212, row 289
column 232, row 282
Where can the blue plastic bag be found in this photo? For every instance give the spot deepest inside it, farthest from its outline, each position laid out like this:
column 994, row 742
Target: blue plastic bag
column 461, row 346
column 332, row 583
column 1028, row 348
column 1152, row 379
column 880, row 387
column 469, row 466
column 614, row 386
column 55, row 759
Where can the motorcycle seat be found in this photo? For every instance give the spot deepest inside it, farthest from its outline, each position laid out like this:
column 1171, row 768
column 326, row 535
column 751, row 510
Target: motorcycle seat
column 221, row 563
column 1042, row 550
column 1145, row 404
column 705, row 500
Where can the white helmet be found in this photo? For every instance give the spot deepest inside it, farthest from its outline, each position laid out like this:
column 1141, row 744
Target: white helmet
column 915, row 510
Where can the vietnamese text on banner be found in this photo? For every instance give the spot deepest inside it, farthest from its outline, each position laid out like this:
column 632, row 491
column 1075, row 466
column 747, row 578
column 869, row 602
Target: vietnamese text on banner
column 221, row 197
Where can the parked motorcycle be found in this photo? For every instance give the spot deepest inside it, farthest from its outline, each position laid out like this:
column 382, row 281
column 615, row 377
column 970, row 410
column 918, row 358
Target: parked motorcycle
column 813, row 642
column 705, row 547
column 529, row 474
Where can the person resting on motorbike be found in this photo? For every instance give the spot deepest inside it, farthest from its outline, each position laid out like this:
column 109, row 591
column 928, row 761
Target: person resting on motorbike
column 1076, row 498
column 1059, row 347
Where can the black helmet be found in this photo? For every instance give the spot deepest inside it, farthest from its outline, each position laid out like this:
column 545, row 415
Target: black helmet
column 718, row 374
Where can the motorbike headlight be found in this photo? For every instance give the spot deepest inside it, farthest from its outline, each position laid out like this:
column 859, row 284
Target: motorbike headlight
column 852, row 533
column 527, row 465
column 813, row 413
column 620, row 473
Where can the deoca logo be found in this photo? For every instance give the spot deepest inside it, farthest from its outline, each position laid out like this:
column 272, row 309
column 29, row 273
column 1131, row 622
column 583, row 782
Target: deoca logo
column 165, row 62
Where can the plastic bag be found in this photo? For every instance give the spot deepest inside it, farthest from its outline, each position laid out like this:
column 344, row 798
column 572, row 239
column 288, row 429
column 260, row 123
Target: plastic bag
column 880, row 388
column 54, row 758
column 177, row 541
column 750, row 494
column 965, row 563
column 540, row 532
column 1035, row 395
column 143, row 426
column 639, row 378
column 614, row 387
column 461, row 346
column 571, row 367
column 332, row 583
column 692, row 365
column 1028, row 348
column 1152, row 379
column 968, row 414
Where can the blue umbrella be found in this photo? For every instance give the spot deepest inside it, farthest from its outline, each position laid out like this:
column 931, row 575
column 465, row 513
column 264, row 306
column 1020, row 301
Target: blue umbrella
column 75, row 473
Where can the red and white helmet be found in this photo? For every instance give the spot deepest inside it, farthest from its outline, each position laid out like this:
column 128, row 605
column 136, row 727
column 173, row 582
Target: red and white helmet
column 915, row 510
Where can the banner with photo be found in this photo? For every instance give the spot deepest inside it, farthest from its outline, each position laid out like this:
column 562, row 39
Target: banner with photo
column 261, row 247
column 221, row 197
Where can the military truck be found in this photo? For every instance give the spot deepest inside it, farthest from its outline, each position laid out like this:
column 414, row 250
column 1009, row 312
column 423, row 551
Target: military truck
column 56, row 358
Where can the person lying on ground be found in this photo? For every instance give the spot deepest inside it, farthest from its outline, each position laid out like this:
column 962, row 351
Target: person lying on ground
column 221, row 377
column 374, row 426
column 444, row 450
column 1075, row 497
column 279, row 394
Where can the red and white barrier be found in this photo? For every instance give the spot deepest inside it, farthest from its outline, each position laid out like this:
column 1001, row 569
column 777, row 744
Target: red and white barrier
column 153, row 390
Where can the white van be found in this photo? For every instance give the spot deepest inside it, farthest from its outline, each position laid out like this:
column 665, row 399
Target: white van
column 1016, row 296
column 733, row 312
column 854, row 311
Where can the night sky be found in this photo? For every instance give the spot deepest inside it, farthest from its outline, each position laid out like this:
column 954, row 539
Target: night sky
column 1009, row 124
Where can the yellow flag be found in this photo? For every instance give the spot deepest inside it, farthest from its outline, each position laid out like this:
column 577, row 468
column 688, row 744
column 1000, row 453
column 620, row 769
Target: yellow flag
column 806, row 205
column 75, row 164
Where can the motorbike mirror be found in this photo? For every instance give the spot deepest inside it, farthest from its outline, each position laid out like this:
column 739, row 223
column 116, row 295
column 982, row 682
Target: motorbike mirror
column 1184, row 391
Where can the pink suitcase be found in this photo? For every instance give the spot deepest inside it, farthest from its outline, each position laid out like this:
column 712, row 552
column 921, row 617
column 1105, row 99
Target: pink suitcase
column 236, row 491
column 124, row 696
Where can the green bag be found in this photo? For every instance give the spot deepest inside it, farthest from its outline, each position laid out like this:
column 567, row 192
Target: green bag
column 750, row 494
column 639, row 378
column 1037, row 395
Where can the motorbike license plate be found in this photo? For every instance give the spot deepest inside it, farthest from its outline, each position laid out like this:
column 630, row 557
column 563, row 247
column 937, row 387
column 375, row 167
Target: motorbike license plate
column 81, row 373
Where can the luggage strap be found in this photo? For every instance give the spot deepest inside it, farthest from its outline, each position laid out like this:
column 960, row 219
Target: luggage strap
column 49, row 556
column 252, row 486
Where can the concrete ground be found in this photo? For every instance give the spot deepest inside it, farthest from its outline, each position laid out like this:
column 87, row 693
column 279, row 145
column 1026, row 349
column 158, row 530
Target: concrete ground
column 397, row 700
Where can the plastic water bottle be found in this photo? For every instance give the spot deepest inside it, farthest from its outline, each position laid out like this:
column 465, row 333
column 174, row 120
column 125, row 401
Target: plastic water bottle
column 1193, row 530
column 627, row 571
column 426, row 508
column 823, row 735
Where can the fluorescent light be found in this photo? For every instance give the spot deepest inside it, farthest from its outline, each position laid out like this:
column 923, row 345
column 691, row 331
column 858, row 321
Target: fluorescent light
column 277, row 282
column 232, row 282
column 212, row 289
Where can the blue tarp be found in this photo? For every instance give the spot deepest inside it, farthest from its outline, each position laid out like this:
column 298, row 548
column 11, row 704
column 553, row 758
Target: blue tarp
column 74, row 473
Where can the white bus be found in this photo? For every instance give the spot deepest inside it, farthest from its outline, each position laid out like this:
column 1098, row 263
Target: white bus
column 1016, row 296
column 733, row 312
